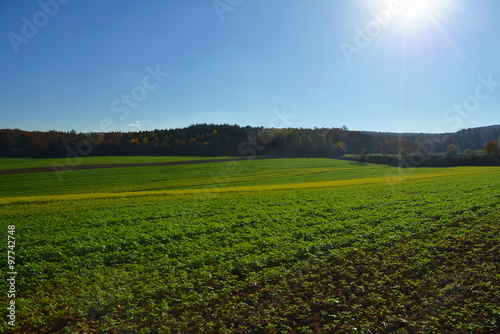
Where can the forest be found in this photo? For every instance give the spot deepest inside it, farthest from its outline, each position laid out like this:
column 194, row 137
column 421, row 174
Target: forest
column 235, row 140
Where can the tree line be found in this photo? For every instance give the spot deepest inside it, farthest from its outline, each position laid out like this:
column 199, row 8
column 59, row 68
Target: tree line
column 235, row 140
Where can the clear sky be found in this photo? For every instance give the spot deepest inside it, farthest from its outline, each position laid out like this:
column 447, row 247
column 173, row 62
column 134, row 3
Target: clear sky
column 379, row 65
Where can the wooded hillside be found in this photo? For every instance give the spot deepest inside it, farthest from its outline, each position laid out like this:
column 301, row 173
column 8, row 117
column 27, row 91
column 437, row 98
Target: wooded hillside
column 234, row 140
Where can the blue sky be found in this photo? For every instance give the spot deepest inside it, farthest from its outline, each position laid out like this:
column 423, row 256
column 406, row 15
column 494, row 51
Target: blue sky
column 426, row 66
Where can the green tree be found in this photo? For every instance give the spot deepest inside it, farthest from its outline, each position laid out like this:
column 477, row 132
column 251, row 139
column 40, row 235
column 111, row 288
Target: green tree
column 452, row 150
column 363, row 153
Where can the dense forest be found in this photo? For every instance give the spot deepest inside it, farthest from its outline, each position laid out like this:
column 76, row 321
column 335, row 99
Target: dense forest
column 234, row 140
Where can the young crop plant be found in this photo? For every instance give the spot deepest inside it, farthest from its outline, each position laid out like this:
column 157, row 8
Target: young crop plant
column 284, row 245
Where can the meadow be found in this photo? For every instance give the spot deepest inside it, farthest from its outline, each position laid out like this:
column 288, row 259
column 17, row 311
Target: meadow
column 253, row 246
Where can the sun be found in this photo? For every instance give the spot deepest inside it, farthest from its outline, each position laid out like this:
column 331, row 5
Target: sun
column 417, row 9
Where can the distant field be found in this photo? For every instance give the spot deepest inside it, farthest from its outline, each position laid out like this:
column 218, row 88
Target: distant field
column 273, row 246
column 20, row 163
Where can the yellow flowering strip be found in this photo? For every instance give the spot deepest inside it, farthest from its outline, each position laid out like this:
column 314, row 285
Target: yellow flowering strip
column 383, row 180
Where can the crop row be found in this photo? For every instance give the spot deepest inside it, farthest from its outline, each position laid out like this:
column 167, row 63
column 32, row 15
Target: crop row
column 416, row 253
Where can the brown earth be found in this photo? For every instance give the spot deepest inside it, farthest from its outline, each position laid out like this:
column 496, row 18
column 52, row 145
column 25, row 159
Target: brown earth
column 101, row 166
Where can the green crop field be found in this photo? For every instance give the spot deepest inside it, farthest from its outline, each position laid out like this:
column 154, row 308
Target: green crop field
column 252, row 246
column 19, row 163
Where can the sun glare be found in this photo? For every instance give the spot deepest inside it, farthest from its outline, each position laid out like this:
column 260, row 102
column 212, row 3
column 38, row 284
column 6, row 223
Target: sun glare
column 417, row 9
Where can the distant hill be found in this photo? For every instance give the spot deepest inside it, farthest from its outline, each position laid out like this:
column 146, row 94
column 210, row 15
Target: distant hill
column 472, row 138
column 235, row 140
